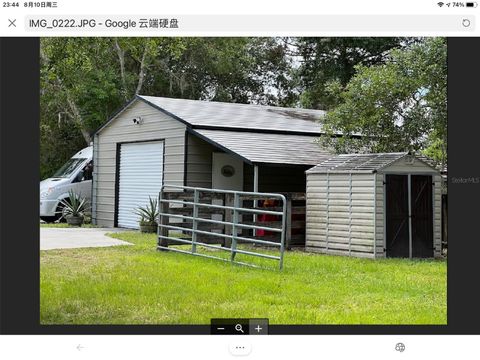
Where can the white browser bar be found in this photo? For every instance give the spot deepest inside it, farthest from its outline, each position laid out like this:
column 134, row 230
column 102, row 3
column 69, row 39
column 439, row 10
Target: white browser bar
column 372, row 347
column 205, row 25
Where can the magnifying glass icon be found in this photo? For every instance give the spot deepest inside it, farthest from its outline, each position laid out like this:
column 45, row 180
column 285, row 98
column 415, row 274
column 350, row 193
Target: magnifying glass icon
column 238, row 327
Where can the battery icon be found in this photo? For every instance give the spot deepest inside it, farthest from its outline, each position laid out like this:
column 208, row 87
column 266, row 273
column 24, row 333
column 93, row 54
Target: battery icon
column 472, row 4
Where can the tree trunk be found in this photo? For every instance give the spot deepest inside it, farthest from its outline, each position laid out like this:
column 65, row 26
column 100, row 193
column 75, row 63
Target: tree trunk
column 77, row 117
column 121, row 60
column 141, row 74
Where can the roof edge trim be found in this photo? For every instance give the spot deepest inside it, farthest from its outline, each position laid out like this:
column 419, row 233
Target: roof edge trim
column 262, row 131
column 163, row 110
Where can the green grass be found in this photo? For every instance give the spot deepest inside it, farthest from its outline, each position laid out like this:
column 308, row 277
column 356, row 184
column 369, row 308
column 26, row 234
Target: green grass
column 139, row 285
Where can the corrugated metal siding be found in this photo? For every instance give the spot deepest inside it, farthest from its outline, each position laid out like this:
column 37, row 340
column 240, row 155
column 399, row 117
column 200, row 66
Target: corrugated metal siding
column 270, row 148
column 340, row 214
column 244, row 116
column 94, row 180
column 199, row 162
column 140, row 177
column 156, row 126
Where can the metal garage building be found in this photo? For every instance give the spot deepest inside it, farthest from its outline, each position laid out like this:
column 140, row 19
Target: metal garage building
column 155, row 140
column 374, row 205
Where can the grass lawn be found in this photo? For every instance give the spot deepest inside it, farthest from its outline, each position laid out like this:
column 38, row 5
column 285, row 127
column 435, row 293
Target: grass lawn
column 139, row 285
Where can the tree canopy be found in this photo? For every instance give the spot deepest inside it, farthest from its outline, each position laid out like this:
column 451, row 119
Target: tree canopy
column 334, row 59
column 84, row 80
column 399, row 105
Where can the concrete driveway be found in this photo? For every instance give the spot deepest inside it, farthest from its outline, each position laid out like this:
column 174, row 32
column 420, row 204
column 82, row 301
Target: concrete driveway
column 65, row 238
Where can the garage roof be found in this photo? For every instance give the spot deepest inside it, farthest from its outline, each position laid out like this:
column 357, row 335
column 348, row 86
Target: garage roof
column 211, row 114
column 252, row 147
column 360, row 163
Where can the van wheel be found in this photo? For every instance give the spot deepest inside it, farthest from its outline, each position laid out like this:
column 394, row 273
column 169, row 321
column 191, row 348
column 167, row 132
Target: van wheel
column 59, row 213
column 49, row 219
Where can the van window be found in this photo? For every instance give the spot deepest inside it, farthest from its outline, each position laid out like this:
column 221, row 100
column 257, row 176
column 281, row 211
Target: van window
column 69, row 167
column 88, row 171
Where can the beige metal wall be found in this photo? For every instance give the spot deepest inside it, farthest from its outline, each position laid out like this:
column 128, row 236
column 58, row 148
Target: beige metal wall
column 156, row 125
column 340, row 214
column 199, row 162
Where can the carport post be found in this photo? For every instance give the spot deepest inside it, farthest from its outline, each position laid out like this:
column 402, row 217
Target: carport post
column 255, row 178
column 255, row 189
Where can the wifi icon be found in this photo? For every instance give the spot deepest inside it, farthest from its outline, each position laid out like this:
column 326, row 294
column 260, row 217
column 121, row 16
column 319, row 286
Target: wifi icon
column 440, row 4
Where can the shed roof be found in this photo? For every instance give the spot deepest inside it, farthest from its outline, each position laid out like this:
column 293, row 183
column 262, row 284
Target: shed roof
column 361, row 163
column 212, row 114
column 252, row 147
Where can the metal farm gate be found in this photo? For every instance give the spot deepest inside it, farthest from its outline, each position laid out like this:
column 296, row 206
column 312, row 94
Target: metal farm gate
column 221, row 220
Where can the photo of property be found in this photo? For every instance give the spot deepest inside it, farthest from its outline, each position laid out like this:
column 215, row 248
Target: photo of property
column 296, row 179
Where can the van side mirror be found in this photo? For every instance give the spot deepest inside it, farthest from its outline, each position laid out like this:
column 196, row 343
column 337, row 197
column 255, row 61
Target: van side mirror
column 79, row 177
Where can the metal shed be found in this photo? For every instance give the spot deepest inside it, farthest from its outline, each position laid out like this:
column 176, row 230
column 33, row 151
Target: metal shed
column 155, row 140
column 374, row 206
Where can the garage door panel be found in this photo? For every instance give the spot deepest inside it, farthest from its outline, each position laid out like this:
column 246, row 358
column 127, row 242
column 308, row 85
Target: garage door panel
column 140, row 177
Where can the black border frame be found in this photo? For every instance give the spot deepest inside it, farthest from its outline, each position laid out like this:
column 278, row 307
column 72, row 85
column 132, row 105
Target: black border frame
column 19, row 246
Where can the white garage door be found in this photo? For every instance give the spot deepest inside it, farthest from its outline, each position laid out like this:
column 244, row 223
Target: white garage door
column 140, row 177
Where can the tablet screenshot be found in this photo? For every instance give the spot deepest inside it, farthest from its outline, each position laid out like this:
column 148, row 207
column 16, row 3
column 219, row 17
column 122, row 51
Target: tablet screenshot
column 215, row 180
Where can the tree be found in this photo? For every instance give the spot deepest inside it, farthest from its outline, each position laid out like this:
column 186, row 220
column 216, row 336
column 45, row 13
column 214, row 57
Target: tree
column 400, row 105
column 244, row 70
column 84, row 80
column 334, row 59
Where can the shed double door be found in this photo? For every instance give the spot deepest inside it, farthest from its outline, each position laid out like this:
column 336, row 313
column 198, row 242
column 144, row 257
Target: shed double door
column 409, row 216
